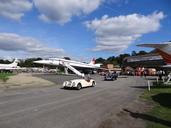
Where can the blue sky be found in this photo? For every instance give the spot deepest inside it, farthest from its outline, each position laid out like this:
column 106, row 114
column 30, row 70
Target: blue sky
column 81, row 29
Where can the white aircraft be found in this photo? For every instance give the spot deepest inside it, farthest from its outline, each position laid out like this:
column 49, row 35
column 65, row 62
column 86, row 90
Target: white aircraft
column 70, row 64
column 163, row 49
column 11, row 66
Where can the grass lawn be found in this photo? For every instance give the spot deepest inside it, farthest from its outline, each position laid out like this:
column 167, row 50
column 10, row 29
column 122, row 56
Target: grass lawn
column 160, row 115
column 5, row 76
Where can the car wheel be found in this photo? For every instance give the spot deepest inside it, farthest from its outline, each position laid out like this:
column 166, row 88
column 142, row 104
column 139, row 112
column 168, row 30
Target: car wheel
column 79, row 86
column 93, row 84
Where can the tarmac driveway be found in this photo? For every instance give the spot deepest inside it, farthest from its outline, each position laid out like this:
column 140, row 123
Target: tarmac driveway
column 53, row 107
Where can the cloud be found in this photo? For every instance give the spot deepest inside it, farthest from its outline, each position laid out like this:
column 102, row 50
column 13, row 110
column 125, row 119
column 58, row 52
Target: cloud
column 117, row 33
column 61, row 11
column 11, row 42
column 14, row 9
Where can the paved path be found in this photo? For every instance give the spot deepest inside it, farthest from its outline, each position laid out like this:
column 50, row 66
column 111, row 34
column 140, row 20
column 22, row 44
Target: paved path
column 53, row 107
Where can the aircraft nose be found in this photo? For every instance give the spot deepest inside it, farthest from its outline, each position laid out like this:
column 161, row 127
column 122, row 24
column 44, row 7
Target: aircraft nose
column 38, row 62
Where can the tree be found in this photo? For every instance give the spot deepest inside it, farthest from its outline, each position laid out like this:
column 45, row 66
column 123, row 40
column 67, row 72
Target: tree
column 112, row 60
column 67, row 58
column 142, row 53
column 120, row 58
column 100, row 60
column 4, row 61
column 29, row 62
column 133, row 53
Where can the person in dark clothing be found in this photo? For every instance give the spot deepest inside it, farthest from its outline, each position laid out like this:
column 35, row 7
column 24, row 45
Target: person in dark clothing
column 160, row 74
column 145, row 73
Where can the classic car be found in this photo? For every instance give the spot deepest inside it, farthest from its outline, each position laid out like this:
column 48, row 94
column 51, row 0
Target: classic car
column 79, row 83
column 111, row 76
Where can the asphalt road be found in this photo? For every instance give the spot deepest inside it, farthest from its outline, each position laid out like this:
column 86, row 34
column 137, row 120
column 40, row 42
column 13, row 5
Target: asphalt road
column 53, row 107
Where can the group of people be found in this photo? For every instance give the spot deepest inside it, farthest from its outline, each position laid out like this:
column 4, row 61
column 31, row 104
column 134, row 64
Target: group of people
column 141, row 71
column 161, row 73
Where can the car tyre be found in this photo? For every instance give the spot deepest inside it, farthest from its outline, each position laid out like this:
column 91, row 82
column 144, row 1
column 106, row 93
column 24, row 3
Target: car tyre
column 93, row 84
column 79, row 86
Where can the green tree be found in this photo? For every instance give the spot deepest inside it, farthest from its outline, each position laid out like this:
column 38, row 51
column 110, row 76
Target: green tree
column 100, row 60
column 133, row 53
column 112, row 60
column 120, row 58
column 67, row 58
column 29, row 62
column 4, row 61
column 142, row 53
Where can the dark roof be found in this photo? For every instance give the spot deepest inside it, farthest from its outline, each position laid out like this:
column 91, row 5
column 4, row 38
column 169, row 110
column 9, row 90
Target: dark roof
column 147, row 57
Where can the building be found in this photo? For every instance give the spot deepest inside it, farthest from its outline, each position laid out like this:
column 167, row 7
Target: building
column 112, row 67
column 152, row 60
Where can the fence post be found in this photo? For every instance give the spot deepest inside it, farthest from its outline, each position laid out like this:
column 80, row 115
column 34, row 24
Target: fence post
column 157, row 80
column 163, row 78
column 148, row 85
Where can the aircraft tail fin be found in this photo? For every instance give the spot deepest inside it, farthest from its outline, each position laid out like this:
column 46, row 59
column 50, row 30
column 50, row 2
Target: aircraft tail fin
column 15, row 63
column 166, row 57
column 93, row 61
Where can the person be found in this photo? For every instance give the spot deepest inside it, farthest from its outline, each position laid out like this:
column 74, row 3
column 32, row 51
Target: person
column 145, row 73
column 87, row 77
column 160, row 74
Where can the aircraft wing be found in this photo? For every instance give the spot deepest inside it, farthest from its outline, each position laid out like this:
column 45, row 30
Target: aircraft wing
column 85, row 66
column 158, row 46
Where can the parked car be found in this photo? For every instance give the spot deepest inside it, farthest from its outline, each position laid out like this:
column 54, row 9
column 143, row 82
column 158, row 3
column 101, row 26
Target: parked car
column 111, row 76
column 79, row 83
column 102, row 73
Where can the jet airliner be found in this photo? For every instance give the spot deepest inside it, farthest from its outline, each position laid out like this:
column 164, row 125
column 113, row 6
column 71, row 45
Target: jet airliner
column 70, row 64
column 11, row 66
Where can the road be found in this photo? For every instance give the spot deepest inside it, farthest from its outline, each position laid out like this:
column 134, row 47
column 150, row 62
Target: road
column 53, row 107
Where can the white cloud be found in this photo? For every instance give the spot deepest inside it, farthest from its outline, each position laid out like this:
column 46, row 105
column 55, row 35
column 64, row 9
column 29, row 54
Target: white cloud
column 11, row 42
column 14, row 9
column 61, row 11
column 117, row 33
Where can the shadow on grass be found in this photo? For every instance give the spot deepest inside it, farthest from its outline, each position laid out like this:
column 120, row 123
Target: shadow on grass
column 164, row 99
column 150, row 78
column 148, row 118
column 153, row 87
column 140, row 87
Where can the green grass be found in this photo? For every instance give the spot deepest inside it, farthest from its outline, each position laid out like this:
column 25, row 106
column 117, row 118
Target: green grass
column 160, row 115
column 5, row 76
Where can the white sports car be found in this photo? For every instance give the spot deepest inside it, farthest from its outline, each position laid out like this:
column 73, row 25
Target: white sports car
column 79, row 83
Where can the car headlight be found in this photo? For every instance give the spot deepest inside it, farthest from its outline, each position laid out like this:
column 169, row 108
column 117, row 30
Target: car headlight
column 73, row 84
column 64, row 83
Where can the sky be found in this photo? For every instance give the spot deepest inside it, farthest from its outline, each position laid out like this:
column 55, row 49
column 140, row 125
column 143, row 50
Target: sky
column 81, row 29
